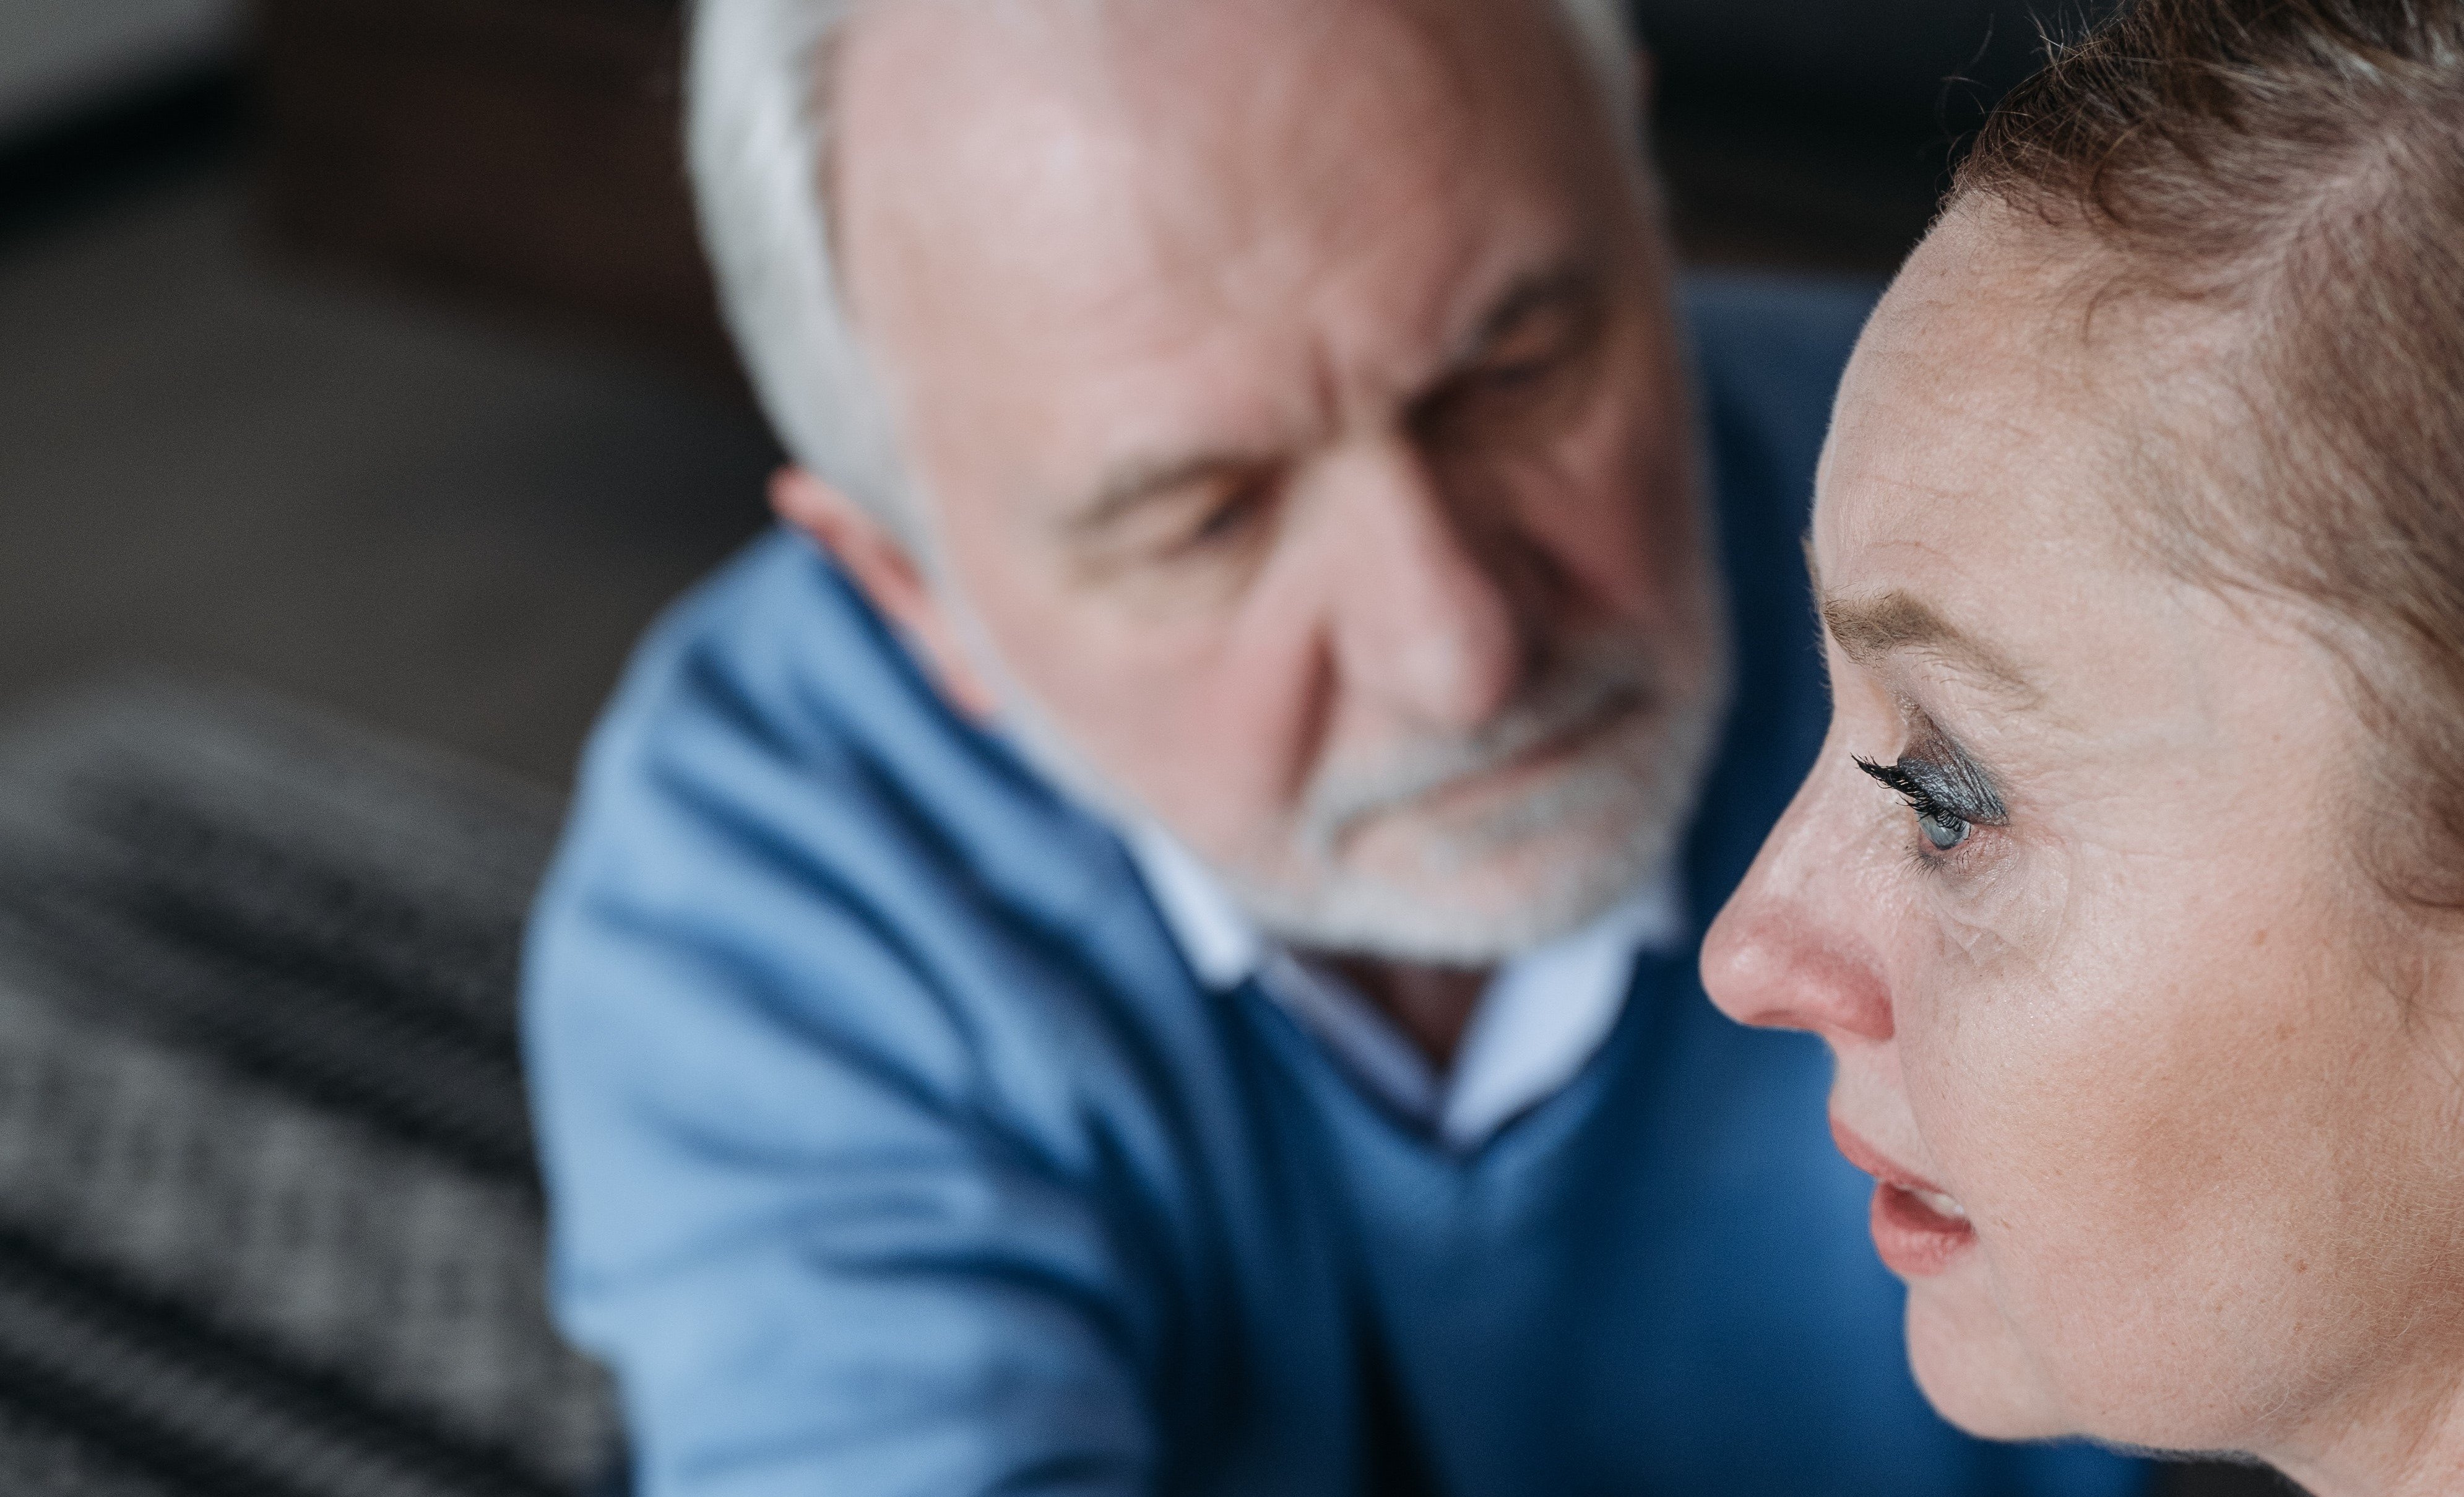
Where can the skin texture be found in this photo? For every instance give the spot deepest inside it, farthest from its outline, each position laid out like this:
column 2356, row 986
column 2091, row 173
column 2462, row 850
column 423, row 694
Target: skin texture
column 2194, row 1082
column 1366, row 286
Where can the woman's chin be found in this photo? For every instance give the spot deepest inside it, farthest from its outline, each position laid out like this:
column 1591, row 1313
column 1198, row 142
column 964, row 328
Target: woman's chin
column 1973, row 1368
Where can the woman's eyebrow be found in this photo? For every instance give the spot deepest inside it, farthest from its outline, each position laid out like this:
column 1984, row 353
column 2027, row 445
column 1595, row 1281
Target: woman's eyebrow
column 1866, row 629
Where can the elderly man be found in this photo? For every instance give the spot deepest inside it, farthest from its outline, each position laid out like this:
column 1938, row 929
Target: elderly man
column 1144, row 942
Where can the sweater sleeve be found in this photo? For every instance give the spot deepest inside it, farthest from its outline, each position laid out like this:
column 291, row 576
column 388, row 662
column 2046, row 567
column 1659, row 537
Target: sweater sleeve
column 788, row 1206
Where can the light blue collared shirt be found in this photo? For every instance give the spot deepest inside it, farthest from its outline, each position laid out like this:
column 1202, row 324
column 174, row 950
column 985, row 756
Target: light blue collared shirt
column 1543, row 1015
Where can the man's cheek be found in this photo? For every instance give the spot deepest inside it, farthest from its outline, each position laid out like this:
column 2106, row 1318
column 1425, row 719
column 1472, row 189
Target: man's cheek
column 1212, row 762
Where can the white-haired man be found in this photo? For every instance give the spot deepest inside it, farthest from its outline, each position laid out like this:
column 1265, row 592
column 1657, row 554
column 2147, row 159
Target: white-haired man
column 1144, row 942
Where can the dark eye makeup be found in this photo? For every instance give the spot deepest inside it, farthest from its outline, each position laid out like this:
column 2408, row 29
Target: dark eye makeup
column 1950, row 793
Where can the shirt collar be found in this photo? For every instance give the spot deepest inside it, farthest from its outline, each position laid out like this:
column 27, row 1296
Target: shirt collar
column 1543, row 1016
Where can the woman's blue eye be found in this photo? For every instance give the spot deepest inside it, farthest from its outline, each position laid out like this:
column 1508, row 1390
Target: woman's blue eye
column 1942, row 831
column 1919, row 784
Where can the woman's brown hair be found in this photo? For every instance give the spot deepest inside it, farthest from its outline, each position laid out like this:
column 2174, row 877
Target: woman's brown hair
column 2298, row 165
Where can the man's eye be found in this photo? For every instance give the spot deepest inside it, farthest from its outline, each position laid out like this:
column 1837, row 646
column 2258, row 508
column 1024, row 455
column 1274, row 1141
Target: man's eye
column 1512, row 374
column 1224, row 519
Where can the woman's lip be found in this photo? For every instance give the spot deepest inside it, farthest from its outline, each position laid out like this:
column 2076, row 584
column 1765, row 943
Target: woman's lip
column 1875, row 1162
column 1918, row 1228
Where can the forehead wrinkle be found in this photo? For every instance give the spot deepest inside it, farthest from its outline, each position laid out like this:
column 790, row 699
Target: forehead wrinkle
column 1869, row 631
column 1280, row 217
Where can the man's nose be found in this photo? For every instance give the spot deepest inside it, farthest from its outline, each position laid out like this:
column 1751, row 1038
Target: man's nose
column 1423, row 622
column 1789, row 951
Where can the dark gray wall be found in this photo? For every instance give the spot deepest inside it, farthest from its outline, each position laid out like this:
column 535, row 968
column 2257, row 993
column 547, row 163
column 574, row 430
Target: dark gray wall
column 1879, row 64
column 1820, row 133
column 60, row 57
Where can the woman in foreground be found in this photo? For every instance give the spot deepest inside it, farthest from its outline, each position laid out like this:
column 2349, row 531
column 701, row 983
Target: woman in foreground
column 2129, row 889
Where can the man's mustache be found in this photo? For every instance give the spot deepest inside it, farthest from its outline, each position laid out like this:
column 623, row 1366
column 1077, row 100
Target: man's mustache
column 1590, row 690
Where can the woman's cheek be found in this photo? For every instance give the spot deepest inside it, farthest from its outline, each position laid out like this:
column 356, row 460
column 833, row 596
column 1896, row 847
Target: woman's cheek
column 1974, row 968
column 1990, row 1032
column 2005, row 909
column 2059, row 1072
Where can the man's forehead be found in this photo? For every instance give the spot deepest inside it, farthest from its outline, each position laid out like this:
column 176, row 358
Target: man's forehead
column 1188, row 114
column 1099, row 44
column 1013, row 194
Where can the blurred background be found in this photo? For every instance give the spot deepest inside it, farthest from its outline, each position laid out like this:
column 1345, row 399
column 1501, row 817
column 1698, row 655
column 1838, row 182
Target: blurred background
column 362, row 398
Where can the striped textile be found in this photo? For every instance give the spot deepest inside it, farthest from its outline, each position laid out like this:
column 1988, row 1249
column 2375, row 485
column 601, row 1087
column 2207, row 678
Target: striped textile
column 269, row 1223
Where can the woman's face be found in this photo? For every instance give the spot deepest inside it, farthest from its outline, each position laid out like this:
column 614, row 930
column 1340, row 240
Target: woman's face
column 2161, row 1093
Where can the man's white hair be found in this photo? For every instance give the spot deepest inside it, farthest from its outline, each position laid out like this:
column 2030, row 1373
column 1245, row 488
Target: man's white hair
column 757, row 138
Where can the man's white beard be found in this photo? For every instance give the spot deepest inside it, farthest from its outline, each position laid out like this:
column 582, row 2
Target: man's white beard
column 1620, row 809
column 1592, row 833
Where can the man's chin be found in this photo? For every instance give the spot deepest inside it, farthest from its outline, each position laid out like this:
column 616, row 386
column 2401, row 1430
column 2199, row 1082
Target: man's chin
column 1443, row 904
column 1469, row 880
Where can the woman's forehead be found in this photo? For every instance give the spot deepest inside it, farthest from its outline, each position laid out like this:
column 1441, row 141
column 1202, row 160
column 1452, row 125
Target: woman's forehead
column 1988, row 411
column 1971, row 505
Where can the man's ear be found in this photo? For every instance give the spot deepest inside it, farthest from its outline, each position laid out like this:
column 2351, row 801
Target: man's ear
column 1646, row 77
column 890, row 579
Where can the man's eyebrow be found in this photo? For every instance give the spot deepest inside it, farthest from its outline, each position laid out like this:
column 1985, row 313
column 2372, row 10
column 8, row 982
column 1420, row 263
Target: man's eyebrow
column 1867, row 629
column 1138, row 482
column 1572, row 281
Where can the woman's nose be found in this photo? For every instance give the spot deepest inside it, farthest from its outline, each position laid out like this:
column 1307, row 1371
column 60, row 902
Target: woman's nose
column 1789, row 951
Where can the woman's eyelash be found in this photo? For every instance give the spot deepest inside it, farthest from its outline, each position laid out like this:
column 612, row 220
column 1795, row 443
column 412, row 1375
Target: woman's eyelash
column 1945, row 781
column 1945, row 821
column 1909, row 786
column 1955, row 787
column 1949, row 787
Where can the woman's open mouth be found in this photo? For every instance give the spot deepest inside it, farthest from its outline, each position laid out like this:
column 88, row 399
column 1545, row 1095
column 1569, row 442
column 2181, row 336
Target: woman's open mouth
column 1918, row 1227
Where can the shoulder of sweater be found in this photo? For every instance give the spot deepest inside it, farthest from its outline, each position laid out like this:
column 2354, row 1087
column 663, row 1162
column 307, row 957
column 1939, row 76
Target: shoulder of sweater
column 779, row 807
